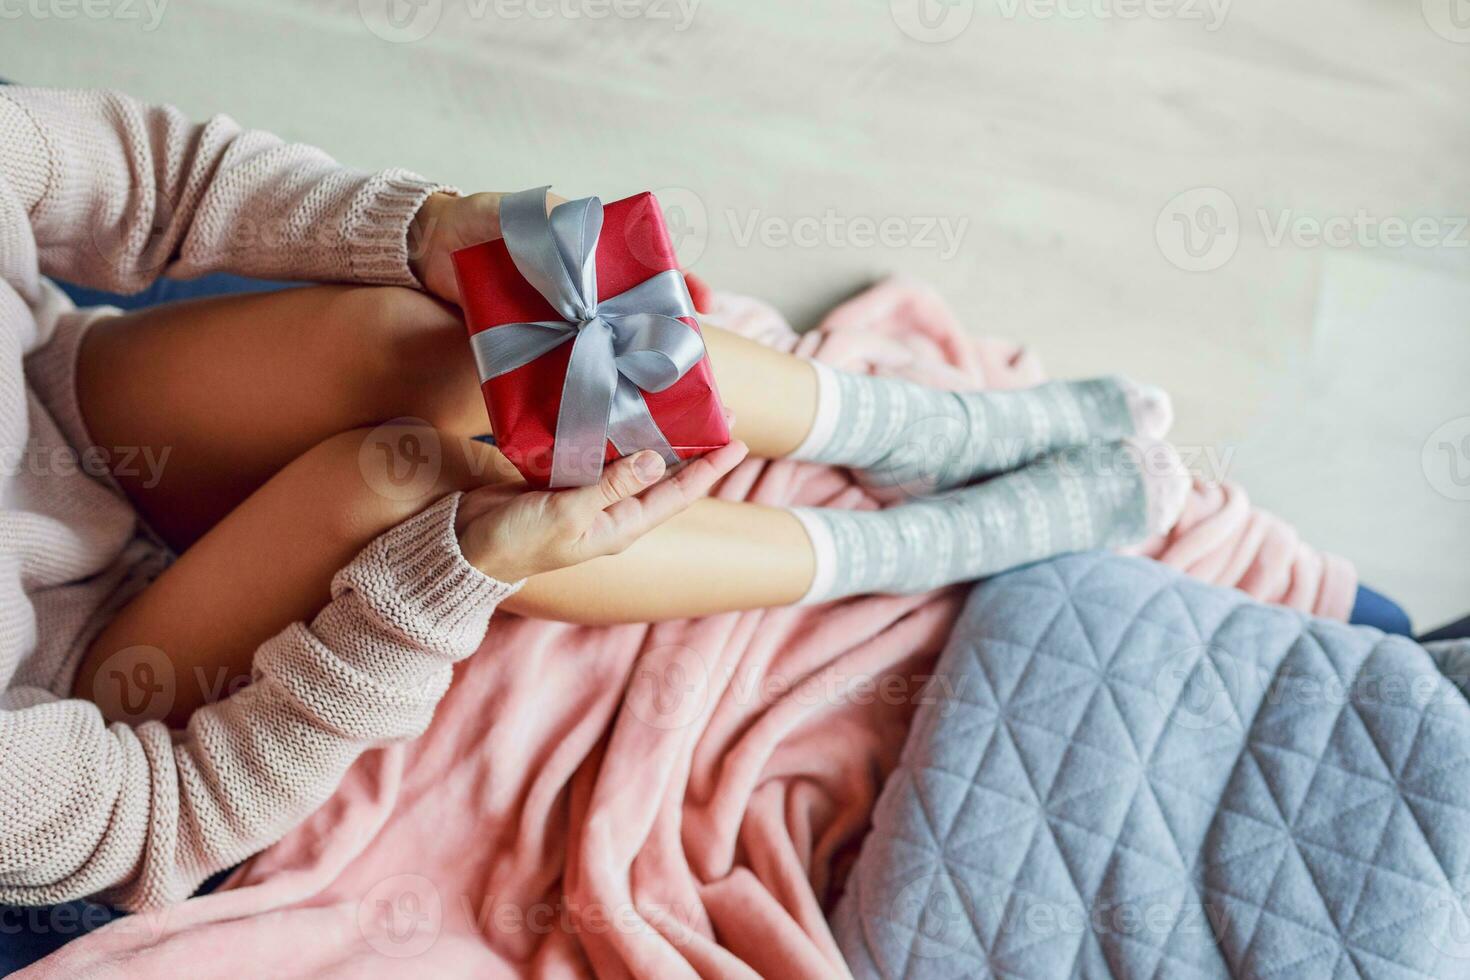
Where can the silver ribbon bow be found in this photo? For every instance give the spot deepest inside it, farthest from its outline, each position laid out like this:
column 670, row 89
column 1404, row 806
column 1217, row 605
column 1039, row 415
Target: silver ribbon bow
column 622, row 345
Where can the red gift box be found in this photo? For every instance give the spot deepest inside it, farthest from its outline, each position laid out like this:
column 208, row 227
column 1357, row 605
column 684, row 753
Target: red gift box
column 524, row 403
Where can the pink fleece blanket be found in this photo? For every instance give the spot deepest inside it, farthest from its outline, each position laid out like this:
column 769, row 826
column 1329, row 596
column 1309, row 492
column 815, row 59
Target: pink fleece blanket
column 652, row 801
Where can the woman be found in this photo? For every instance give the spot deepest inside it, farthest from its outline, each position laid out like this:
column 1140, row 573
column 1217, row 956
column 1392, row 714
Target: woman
column 341, row 561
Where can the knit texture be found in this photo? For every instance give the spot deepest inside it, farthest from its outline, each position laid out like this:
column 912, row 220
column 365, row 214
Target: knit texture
column 103, row 191
column 918, row 439
column 1082, row 498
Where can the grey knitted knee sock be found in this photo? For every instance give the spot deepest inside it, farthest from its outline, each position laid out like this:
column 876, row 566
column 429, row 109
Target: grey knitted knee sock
column 1098, row 496
column 902, row 435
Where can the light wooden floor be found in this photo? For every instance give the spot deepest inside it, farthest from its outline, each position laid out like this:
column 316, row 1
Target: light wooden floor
column 1050, row 145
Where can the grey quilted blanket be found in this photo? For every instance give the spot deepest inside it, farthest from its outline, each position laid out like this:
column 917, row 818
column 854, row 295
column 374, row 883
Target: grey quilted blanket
column 1134, row 774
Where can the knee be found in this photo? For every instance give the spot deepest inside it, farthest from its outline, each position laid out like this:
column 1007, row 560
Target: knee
column 380, row 476
column 387, row 308
column 416, row 352
column 403, row 332
column 377, row 477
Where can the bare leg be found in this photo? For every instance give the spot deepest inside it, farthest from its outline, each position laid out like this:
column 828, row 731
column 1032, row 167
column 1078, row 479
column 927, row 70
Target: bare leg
column 772, row 394
column 270, row 562
column 718, row 556
column 234, row 388
column 265, row 406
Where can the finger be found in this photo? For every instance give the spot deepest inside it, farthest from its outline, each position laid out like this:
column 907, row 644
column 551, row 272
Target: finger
column 478, row 501
column 695, row 480
column 487, row 204
column 707, row 470
column 627, row 520
column 620, row 480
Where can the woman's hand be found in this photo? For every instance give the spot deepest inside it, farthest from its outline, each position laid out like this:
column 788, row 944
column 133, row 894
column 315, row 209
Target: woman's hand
column 511, row 534
column 446, row 223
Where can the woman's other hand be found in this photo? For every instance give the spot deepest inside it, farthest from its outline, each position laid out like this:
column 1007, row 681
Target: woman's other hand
column 512, row 534
column 446, row 223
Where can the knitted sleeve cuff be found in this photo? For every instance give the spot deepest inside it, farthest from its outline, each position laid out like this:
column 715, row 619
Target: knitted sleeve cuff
column 432, row 574
column 433, row 587
column 377, row 226
column 409, row 595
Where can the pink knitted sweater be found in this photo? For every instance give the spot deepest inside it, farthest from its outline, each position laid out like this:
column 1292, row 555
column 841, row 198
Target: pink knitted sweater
column 100, row 190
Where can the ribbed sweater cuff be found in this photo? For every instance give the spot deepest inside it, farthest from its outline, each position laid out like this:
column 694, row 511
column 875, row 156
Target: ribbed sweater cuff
column 377, row 228
column 414, row 591
column 434, row 583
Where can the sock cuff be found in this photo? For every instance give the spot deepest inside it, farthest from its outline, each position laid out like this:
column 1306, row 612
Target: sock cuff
column 824, row 424
column 824, row 554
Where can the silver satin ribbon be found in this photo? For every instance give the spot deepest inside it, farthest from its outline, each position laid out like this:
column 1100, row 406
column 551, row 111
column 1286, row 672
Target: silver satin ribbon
column 622, row 345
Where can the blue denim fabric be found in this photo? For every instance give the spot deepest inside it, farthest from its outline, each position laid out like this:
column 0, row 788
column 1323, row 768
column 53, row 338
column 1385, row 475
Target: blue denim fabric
column 1371, row 608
